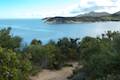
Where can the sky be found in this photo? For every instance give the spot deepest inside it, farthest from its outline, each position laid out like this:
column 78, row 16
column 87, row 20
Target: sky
column 50, row 8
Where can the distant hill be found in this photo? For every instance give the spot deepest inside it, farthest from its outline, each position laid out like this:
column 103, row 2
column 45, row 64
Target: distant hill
column 57, row 20
column 116, row 14
column 88, row 17
column 94, row 14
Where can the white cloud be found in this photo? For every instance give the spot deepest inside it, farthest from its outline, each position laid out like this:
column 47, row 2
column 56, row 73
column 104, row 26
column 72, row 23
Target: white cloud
column 84, row 6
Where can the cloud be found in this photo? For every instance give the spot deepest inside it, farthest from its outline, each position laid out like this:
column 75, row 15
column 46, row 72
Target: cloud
column 85, row 6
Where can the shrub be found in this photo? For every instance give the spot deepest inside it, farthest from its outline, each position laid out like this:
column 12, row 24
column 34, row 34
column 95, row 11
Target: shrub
column 8, row 41
column 11, row 67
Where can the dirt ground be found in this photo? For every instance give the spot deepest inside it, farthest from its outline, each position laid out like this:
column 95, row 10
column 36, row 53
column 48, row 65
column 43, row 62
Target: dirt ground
column 55, row 75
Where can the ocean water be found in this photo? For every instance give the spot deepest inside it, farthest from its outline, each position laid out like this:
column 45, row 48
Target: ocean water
column 30, row 29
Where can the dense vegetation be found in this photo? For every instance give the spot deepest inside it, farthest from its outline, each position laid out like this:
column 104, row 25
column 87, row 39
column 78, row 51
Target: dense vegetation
column 99, row 56
column 17, row 60
column 53, row 55
column 13, row 64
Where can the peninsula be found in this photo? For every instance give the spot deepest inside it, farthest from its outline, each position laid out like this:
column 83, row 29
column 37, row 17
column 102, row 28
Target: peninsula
column 88, row 17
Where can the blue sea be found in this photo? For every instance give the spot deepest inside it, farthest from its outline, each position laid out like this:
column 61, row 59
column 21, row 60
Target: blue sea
column 30, row 29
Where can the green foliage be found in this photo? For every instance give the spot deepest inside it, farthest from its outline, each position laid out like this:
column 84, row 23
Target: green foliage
column 69, row 48
column 36, row 42
column 46, row 56
column 11, row 67
column 53, row 55
column 8, row 41
column 100, row 57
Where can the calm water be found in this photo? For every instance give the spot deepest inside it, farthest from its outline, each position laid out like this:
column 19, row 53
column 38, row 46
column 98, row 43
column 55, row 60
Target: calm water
column 29, row 29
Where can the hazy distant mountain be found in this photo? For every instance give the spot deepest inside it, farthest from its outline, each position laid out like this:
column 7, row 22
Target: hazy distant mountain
column 94, row 14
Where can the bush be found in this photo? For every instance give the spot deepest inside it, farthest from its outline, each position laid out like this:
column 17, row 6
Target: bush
column 8, row 41
column 69, row 48
column 11, row 67
column 46, row 56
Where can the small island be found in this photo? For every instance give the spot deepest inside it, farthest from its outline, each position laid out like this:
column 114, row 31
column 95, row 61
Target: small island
column 89, row 17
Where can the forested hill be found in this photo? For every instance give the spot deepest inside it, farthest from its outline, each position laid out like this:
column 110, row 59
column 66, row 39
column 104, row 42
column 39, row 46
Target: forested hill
column 89, row 17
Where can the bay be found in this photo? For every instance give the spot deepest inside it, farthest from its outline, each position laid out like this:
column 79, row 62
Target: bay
column 30, row 29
